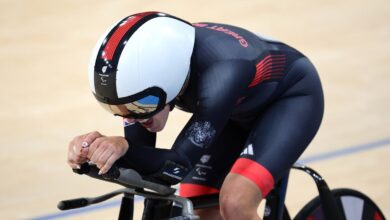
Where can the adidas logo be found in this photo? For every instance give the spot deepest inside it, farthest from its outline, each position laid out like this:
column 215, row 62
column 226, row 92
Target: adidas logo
column 248, row 150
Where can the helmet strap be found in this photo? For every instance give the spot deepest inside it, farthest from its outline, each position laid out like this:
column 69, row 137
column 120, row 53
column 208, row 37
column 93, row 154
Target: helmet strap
column 185, row 85
column 183, row 88
column 172, row 104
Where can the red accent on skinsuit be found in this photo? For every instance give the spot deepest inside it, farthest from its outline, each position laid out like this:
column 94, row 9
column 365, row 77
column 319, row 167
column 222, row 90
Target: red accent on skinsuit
column 271, row 67
column 190, row 190
column 256, row 173
column 377, row 216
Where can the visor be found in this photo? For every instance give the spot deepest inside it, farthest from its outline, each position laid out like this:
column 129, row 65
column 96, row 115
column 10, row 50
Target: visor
column 142, row 105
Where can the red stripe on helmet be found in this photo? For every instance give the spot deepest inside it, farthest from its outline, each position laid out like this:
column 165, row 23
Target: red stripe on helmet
column 124, row 26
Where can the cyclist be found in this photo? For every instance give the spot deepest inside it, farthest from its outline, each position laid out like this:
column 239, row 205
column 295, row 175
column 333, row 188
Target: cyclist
column 256, row 105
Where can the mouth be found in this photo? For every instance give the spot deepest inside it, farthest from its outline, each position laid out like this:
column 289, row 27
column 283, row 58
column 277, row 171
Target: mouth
column 147, row 123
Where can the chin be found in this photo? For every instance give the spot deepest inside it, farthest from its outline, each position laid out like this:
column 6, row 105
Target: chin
column 154, row 129
column 158, row 128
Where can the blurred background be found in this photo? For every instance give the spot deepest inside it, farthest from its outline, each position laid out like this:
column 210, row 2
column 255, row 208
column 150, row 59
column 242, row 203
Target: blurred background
column 46, row 101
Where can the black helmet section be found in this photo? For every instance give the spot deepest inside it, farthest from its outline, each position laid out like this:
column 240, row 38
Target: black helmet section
column 109, row 53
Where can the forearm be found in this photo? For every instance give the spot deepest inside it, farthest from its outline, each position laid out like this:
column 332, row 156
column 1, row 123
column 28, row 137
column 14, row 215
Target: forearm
column 157, row 164
column 137, row 135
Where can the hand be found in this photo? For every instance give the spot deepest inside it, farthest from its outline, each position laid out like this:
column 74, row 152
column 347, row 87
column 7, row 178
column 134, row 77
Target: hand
column 78, row 148
column 104, row 151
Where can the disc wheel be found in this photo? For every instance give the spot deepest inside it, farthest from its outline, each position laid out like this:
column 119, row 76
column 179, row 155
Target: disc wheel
column 354, row 205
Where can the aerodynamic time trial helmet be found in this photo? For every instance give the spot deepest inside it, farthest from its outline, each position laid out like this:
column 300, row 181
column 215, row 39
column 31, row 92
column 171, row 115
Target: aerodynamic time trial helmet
column 141, row 63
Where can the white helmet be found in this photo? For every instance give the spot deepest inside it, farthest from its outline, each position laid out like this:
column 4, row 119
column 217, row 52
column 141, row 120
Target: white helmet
column 141, row 63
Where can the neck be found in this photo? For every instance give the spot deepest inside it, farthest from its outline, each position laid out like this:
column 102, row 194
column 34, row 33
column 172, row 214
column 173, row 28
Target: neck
column 185, row 85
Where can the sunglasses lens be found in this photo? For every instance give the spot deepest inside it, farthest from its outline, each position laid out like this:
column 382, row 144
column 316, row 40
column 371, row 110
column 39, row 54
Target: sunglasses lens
column 143, row 106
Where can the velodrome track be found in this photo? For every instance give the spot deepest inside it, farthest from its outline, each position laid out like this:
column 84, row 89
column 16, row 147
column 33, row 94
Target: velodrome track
column 45, row 99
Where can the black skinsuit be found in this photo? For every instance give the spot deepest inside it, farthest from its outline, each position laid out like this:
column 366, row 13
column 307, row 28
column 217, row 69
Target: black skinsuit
column 256, row 103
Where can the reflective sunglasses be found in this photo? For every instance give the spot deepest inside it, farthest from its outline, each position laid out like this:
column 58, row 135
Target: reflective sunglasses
column 142, row 105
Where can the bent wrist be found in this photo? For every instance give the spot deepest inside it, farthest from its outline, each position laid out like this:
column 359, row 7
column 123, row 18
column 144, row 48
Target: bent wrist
column 128, row 145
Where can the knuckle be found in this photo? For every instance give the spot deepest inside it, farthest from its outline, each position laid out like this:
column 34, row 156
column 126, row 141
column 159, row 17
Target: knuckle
column 108, row 165
column 94, row 162
column 116, row 154
column 78, row 139
column 110, row 145
column 70, row 155
column 78, row 159
column 100, row 139
column 100, row 161
column 70, row 161
column 96, row 133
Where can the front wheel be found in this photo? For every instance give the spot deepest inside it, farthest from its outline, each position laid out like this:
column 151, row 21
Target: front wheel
column 354, row 205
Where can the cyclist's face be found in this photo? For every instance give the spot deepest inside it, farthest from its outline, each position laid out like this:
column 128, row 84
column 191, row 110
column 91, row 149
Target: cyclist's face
column 154, row 124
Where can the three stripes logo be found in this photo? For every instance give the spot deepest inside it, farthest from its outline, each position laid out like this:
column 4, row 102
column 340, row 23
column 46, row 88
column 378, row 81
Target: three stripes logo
column 248, row 150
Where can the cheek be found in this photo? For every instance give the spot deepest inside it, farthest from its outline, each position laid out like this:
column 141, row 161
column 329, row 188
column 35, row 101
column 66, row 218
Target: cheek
column 160, row 119
column 159, row 124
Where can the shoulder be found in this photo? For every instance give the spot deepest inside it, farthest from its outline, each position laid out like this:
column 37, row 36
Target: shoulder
column 234, row 35
column 224, row 77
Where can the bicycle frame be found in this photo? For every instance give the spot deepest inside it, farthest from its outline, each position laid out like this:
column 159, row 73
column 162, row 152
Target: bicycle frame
column 184, row 207
column 331, row 210
column 127, row 204
column 275, row 202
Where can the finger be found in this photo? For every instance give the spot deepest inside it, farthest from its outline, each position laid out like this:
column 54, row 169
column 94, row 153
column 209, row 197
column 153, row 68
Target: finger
column 86, row 140
column 71, row 162
column 107, row 166
column 74, row 148
column 89, row 138
column 75, row 154
column 75, row 166
column 101, row 149
column 94, row 147
column 104, row 157
column 84, row 151
column 76, row 159
column 70, row 157
column 71, row 144
column 99, row 152
column 75, row 144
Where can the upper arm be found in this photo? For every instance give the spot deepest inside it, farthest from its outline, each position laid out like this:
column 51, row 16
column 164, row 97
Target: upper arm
column 219, row 88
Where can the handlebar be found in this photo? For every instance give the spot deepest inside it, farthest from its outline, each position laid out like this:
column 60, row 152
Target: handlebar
column 129, row 178
column 125, row 177
column 81, row 202
column 135, row 185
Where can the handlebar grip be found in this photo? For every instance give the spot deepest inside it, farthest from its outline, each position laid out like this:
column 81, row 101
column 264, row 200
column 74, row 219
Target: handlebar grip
column 112, row 173
column 126, row 177
column 132, row 178
column 72, row 204
column 84, row 169
column 161, row 189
